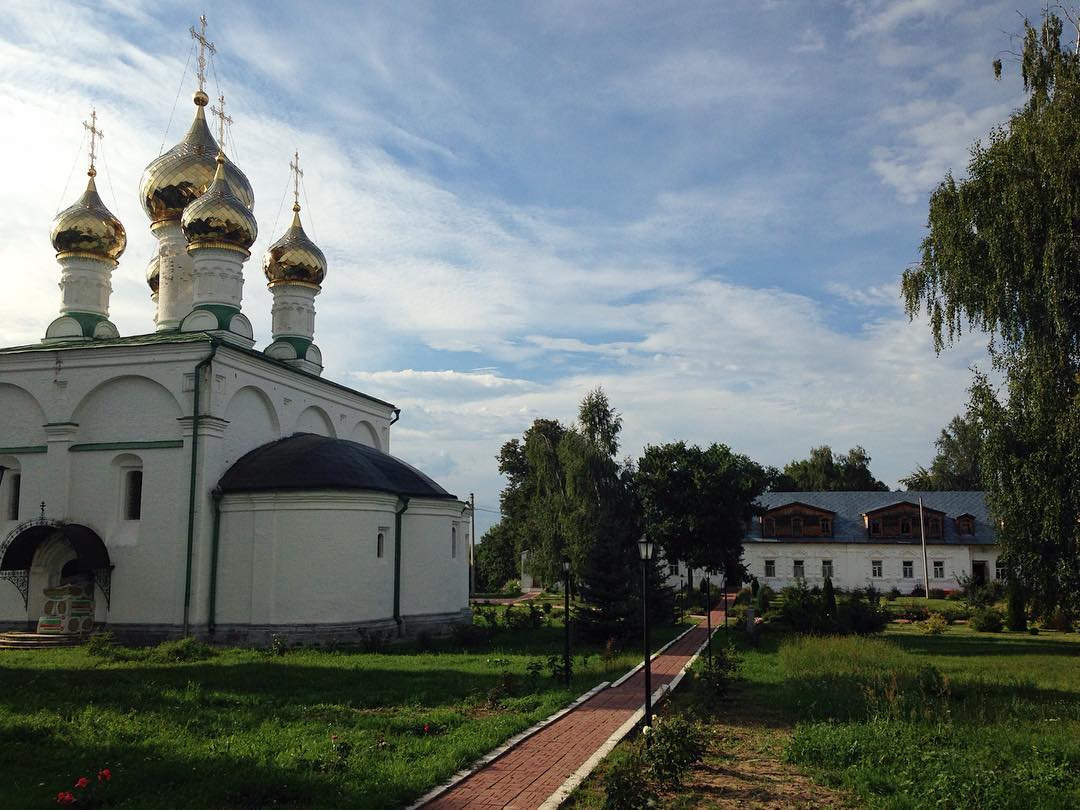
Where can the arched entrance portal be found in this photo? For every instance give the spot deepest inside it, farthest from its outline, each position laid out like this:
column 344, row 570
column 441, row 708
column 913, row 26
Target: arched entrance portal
column 62, row 571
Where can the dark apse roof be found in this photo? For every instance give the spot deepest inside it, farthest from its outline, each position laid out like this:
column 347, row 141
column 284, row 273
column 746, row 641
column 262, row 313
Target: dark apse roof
column 305, row 461
column 849, row 507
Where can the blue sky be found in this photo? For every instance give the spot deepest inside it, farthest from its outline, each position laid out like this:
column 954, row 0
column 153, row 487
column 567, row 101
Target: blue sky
column 703, row 207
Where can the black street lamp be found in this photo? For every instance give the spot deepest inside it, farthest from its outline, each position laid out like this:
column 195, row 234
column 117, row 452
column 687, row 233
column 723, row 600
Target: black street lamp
column 708, row 616
column 566, row 619
column 645, row 549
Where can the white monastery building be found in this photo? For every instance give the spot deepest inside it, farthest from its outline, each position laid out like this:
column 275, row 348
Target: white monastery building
column 185, row 481
column 863, row 539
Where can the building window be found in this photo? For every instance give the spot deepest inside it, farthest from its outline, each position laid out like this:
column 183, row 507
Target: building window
column 826, row 526
column 799, row 570
column 796, row 527
column 999, row 570
column 875, row 568
column 934, row 529
column 770, row 568
column 905, row 526
column 380, row 544
column 965, row 525
column 133, row 495
column 769, row 527
column 453, row 541
column 909, row 569
column 673, row 569
column 939, row 569
column 13, row 497
column 875, row 527
column 826, row 568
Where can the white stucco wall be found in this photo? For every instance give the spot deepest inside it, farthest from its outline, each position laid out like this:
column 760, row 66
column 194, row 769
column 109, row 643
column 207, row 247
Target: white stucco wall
column 852, row 563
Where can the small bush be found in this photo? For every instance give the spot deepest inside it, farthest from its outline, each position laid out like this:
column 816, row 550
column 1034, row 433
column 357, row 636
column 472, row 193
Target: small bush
column 1060, row 620
column 918, row 590
column 674, row 745
column 102, row 645
column 184, row 649
column 279, row 644
column 934, row 625
column 743, row 597
column 625, row 786
column 987, row 620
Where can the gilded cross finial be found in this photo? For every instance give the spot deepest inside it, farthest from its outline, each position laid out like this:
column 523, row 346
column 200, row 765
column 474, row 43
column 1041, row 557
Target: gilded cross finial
column 223, row 121
column 204, row 46
column 297, row 173
column 95, row 133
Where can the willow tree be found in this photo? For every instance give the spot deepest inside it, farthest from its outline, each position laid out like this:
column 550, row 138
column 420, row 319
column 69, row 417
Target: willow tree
column 1003, row 255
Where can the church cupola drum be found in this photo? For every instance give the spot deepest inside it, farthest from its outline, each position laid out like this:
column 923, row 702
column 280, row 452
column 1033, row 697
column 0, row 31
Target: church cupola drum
column 88, row 241
column 295, row 268
column 170, row 183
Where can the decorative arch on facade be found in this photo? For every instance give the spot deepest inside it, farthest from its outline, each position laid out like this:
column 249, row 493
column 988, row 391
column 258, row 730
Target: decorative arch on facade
column 364, row 433
column 22, row 544
column 253, row 421
column 315, row 420
column 128, row 408
column 24, row 418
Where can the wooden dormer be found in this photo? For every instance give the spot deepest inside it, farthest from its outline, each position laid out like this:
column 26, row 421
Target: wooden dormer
column 900, row 521
column 965, row 524
column 797, row 519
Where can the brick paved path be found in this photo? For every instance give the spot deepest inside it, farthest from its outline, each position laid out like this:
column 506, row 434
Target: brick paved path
column 527, row 775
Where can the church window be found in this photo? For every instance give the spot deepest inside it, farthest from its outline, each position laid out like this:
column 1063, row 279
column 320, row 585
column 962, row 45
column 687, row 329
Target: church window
column 13, row 497
column 380, row 544
column 770, row 568
column 133, row 480
column 453, row 541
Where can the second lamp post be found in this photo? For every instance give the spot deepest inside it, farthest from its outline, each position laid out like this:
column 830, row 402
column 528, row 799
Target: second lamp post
column 645, row 549
column 566, row 619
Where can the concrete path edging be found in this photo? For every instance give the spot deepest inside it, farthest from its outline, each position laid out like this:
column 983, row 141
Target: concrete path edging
column 505, row 748
column 570, row 785
column 652, row 657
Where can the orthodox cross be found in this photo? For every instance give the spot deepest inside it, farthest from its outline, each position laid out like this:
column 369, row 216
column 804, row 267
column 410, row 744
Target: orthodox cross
column 204, row 46
column 297, row 173
column 95, row 133
column 223, row 121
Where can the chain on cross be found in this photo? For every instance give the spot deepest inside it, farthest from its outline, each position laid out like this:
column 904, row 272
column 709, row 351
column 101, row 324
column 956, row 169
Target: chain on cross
column 223, row 121
column 297, row 173
column 95, row 133
column 204, row 46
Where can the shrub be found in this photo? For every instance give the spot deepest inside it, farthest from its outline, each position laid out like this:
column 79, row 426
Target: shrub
column 1017, row 608
column 1060, row 620
column 743, row 597
column 918, row 590
column 279, row 644
column 860, row 617
column 102, row 645
column 894, row 593
column 184, row 649
column 800, row 608
column 987, row 620
column 715, row 678
column 937, row 593
column 674, row 745
column 625, row 786
column 934, row 625
column 828, row 596
column 763, row 600
column 754, row 587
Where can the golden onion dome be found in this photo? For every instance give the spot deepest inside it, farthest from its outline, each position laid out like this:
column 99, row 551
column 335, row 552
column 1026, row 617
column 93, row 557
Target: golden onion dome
column 88, row 228
column 294, row 258
column 153, row 274
column 218, row 218
column 179, row 176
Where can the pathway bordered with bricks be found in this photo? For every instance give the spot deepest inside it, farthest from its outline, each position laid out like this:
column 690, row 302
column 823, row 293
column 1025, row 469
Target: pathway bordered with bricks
column 527, row 775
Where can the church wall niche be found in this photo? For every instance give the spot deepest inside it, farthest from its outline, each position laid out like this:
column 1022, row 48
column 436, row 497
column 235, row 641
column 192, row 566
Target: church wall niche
column 129, row 408
column 22, row 420
column 315, row 420
column 364, row 433
column 427, row 559
column 253, row 422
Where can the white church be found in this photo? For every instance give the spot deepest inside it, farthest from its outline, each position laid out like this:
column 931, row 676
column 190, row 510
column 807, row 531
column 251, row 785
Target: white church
column 186, row 482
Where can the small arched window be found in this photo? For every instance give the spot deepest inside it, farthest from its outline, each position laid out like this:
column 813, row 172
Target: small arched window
column 14, row 492
column 380, row 544
column 10, row 488
column 130, row 486
column 453, row 541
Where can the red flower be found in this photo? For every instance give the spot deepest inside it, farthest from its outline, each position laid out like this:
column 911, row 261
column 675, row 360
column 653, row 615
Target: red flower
column 427, row 728
column 65, row 797
column 104, row 775
column 333, row 738
column 83, row 783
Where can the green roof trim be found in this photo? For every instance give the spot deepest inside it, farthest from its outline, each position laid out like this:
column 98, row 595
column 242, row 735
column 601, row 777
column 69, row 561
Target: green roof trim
column 165, row 444
column 26, row 450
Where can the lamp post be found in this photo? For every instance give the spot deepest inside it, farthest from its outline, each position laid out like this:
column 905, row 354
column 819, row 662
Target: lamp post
column 645, row 549
column 566, row 619
column 725, row 600
column 708, row 616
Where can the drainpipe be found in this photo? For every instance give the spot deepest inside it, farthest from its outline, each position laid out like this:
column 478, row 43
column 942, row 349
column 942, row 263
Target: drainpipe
column 211, row 622
column 397, row 415
column 397, row 563
column 202, row 364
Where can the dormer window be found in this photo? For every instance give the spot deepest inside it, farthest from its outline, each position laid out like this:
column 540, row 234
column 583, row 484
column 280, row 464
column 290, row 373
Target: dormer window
column 826, row 527
column 875, row 527
column 905, row 526
column 769, row 527
column 796, row 527
column 965, row 525
column 934, row 527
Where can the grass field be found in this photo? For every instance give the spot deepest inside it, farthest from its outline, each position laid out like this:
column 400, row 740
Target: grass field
column 249, row 729
column 903, row 720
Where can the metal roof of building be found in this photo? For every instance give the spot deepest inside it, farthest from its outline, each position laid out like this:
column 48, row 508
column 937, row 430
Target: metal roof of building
column 848, row 526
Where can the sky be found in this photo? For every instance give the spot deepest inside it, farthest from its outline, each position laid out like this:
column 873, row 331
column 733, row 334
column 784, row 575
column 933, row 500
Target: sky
column 703, row 207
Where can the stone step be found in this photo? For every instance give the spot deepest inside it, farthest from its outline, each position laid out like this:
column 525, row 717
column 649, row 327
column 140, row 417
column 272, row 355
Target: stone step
column 17, row 640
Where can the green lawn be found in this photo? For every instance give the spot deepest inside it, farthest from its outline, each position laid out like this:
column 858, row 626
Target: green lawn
column 249, row 729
